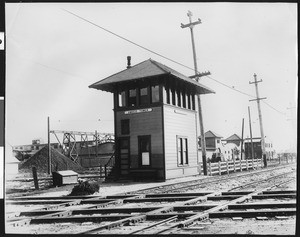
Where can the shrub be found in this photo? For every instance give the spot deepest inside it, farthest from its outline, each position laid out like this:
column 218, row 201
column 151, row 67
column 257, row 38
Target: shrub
column 84, row 188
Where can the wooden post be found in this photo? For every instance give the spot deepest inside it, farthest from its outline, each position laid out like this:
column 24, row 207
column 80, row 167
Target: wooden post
column 203, row 143
column 263, row 146
column 209, row 166
column 252, row 148
column 234, row 165
column 252, row 163
column 256, row 164
column 105, row 171
column 241, row 166
column 227, row 167
column 100, row 171
column 246, row 164
column 96, row 136
column 35, row 179
column 49, row 147
column 220, row 173
column 242, row 139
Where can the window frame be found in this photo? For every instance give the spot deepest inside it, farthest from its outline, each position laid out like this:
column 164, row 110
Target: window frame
column 129, row 97
column 123, row 123
column 182, row 148
column 158, row 92
column 120, row 98
column 140, row 95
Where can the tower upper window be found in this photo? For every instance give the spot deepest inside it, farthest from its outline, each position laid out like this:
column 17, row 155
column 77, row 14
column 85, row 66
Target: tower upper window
column 155, row 94
column 132, row 98
column 144, row 96
column 122, row 99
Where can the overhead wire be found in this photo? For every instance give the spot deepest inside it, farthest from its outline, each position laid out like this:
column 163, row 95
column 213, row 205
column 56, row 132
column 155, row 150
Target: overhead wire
column 167, row 58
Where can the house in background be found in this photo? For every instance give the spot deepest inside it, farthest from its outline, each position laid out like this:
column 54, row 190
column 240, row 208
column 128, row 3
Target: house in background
column 155, row 121
column 233, row 139
column 232, row 147
column 213, row 144
column 257, row 147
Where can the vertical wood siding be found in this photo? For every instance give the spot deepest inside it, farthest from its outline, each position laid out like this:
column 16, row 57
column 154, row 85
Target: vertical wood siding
column 147, row 123
column 179, row 122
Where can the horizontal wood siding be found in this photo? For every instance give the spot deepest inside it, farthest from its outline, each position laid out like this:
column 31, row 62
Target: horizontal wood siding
column 146, row 123
column 179, row 122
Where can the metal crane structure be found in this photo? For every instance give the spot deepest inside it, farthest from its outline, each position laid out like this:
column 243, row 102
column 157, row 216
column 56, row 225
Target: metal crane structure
column 73, row 141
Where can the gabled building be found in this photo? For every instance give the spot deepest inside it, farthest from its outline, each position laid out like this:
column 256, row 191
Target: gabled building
column 155, row 120
column 257, row 148
column 234, row 139
column 213, row 144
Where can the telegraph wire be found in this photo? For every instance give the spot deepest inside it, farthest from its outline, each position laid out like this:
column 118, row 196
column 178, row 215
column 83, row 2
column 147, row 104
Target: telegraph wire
column 230, row 87
column 273, row 108
column 158, row 54
column 119, row 36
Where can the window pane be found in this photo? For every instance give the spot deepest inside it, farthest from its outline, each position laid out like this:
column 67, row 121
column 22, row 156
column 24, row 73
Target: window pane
column 155, row 94
column 179, row 151
column 193, row 102
column 144, row 96
column 122, row 99
column 183, row 100
column 167, row 95
column 178, row 98
column 173, row 97
column 132, row 97
column 186, row 160
column 189, row 101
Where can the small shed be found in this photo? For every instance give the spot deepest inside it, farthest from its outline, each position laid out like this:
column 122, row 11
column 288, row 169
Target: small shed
column 64, row 177
column 11, row 164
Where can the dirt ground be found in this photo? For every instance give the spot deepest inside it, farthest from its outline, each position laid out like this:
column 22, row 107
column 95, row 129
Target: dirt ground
column 212, row 226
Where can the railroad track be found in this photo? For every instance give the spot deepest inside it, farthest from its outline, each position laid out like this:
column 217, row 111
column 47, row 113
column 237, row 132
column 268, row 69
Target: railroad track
column 183, row 186
column 156, row 213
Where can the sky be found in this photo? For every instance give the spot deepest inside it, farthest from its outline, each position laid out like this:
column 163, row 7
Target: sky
column 53, row 56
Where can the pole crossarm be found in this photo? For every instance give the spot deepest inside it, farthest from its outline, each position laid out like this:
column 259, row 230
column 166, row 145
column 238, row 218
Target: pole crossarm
column 258, row 99
column 191, row 24
column 255, row 82
column 200, row 74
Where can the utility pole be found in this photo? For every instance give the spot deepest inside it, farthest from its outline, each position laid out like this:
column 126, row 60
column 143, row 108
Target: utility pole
column 197, row 75
column 96, row 136
column 252, row 148
column 49, row 147
column 260, row 119
column 242, row 139
column 294, row 126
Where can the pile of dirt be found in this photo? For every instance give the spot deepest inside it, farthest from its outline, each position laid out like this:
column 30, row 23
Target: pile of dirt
column 85, row 188
column 58, row 162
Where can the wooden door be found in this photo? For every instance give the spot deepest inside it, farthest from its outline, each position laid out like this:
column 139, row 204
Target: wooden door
column 124, row 154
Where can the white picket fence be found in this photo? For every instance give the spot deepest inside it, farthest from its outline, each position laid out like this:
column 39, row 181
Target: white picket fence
column 233, row 166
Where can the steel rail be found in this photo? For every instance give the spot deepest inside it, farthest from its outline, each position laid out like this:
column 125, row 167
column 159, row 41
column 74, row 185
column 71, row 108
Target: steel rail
column 264, row 180
column 143, row 216
column 205, row 214
column 187, row 184
column 120, row 200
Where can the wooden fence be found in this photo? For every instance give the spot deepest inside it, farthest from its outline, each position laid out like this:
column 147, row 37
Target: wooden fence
column 227, row 167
